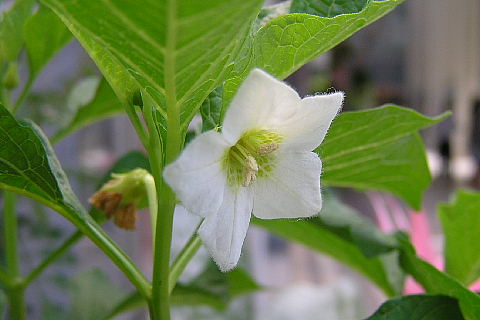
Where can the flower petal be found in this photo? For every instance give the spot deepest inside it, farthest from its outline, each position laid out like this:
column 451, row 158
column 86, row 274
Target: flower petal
column 292, row 190
column 308, row 127
column 261, row 102
column 223, row 233
column 197, row 176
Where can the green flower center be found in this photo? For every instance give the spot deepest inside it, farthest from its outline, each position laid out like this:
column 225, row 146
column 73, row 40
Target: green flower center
column 251, row 157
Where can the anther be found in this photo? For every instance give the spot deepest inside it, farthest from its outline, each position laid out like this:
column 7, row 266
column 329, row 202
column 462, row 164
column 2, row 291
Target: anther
column 268, row 148
column 251, row 163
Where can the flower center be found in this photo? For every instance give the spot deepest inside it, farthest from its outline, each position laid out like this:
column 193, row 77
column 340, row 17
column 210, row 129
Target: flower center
column 251, row 157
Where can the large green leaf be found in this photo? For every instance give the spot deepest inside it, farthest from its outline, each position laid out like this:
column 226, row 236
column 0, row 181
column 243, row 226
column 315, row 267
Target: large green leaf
column 211, row 110
column 342, row 234
column 11, row 29
column 289, row 41
column 179, row 51
column 419, row 307
column 45, row 34
column 28, row 166
column 327, row 8
column 437, row 282
column 104, row 104
column 461, row 224
column 378, row 149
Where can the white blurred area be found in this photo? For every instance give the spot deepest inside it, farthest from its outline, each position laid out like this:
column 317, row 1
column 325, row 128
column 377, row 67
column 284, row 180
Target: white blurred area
column 425, row 55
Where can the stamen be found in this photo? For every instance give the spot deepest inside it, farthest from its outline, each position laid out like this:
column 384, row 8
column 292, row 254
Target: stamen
column 268, row 148
column 251, row 163
column 249, row 177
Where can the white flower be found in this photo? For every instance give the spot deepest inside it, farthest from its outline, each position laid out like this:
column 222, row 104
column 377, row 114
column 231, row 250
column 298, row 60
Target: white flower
column 262, row 161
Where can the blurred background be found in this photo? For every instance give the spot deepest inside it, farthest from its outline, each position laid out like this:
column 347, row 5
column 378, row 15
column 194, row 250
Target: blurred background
column 415, row 57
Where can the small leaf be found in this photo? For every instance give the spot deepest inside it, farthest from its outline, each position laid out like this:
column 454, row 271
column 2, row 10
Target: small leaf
column 211, row 110
column 11, row 29
column 461, row 222
column 337, row 237
column 419, row 307
column 103, row 105
column 378, row 149
column 45, row 34
column 437, row 282
column 328, row 8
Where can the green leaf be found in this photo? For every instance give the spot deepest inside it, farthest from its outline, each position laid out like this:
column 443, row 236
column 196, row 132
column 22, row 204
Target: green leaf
column 11, row 29
column 104, row 104
column 461, row 221
column 93, row 295
column 378, row 149
column 335, row 233
column 45, row 34
column 211, row 110
column 419, row 307
column 28, row 166
column 288, row 42
column 179, row 51
column 328, row 8
column 437, row 282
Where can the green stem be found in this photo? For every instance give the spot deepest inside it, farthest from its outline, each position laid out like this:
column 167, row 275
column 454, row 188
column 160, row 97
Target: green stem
column 137, row 125
column 17, row 307
column 166, row 206
column 52, row 257
column 16, row 298
column 23, row 95
column 5, row 278
column 10, row 232
column 183, row 258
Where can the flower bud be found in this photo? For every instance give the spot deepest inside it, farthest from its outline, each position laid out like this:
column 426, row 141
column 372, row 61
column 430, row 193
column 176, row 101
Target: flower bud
column 119, row 197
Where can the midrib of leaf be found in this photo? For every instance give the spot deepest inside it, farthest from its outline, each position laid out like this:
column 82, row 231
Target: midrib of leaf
column 173, row 114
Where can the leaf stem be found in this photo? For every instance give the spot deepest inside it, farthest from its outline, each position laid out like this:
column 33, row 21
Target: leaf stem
column 53, row 257
column 137, row 124
column 183, row 258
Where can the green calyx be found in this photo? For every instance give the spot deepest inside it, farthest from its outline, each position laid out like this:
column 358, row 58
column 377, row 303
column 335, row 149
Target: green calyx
column 251, row 157
column 130, row 185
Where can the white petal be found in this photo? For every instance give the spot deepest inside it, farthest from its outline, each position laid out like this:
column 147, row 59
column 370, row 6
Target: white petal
column 308, row 127
column 261, row 102
column 197, row 176
column 223, row 234
column 292, row 190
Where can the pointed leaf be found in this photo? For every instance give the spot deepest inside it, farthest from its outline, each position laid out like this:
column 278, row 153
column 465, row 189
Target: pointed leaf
column 461, row 222
column 44, row 36
column 288, row 42
column 378, row 149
